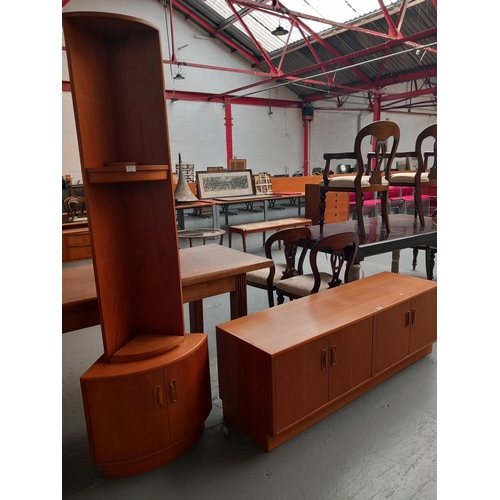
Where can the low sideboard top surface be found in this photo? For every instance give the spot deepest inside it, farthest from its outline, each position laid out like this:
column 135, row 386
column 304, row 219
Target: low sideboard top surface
column 274, row 330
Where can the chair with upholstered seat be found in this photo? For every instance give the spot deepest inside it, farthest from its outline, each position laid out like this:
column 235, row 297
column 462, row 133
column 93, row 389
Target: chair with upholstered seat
column 340, row 250
column 423, row 176
column 369, row 176
column 288, row 239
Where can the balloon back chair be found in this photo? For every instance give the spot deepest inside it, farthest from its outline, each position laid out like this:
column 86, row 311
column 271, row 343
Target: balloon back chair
column 423, row 176
column 340, row 249
column 369, row 176
column 288, row 239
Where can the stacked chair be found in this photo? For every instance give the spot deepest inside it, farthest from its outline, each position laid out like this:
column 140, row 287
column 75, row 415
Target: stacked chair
column 369, row 176
column 424, row 176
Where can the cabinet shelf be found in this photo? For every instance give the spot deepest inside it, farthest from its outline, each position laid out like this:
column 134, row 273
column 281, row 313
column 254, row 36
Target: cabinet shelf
column 144, row 346
column 127, row 173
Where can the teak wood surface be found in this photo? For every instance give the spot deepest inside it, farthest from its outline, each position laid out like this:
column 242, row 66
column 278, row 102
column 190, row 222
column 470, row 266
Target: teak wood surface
column 205, row 271
column 325, row 312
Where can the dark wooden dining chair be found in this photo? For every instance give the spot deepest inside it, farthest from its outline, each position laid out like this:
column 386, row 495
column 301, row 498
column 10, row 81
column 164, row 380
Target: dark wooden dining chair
column 288, row 239
column 340, row 249
column 75, row 207
column 430, row 254
column 423, row 176
column 369, row 176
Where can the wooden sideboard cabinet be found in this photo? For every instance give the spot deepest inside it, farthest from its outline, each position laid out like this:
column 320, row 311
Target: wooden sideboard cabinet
column 283, row 369
column 143, row 414
column 76, row 245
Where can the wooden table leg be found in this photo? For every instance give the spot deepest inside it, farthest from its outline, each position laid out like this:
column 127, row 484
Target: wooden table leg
column 395, row 261
column 196, row 316
column 238, row 298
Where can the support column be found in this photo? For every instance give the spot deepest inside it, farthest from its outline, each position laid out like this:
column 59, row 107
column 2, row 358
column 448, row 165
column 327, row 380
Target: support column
column 228, row 121
column 306, row 147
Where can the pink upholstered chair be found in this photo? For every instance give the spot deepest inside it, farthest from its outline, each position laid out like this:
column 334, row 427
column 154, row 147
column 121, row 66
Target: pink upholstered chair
column 423, row 176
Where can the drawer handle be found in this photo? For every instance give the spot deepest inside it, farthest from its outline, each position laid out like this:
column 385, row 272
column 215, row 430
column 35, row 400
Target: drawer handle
column 158, row 395
column 323, row 359
column 413, row 316
column 173, row 390
column 407, row 319
column 334, row 355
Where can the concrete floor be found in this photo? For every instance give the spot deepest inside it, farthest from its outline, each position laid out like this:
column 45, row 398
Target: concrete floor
column 382, row 445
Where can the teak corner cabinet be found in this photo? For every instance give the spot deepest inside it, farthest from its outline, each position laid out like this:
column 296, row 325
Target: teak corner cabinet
column 323, row 351
column 147, row 398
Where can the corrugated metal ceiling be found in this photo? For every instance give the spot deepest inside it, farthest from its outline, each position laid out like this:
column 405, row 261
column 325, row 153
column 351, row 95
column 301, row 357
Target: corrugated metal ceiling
column 366, row 47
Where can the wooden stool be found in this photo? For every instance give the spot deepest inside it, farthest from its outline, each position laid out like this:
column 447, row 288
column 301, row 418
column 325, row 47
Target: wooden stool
column 202, row 232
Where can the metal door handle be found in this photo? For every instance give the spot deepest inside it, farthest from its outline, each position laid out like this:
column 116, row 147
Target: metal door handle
column 173, row 390
column 158, row 396
column 334, row 355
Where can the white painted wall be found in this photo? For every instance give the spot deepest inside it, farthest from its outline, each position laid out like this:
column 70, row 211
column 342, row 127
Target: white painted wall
column 269, row 142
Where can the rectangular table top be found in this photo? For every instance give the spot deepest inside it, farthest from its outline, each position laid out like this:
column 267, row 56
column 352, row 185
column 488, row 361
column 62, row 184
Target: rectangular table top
column 199, row 265
column 404, row 234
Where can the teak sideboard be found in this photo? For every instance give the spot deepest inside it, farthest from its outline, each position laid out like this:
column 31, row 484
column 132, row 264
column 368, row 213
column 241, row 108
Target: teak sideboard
column 285, row 368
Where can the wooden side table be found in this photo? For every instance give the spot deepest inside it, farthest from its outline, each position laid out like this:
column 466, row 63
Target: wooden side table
column 201, row 233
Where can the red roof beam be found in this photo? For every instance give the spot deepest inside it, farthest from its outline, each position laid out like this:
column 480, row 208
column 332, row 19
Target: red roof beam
column 313, row 52
column 213, row 31
column 338, row 60
column 261, row 49
column 284, row 10
column 327, row 46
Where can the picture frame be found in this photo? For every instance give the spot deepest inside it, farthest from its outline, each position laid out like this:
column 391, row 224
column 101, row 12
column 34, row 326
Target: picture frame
column 224, row 183
column 263, row 184
column 187, row 171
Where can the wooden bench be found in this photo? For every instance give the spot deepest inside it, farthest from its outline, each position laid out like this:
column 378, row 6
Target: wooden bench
column 262, row 227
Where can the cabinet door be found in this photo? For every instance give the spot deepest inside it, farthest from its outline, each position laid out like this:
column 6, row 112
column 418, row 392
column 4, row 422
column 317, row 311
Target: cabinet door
column 188, row 392
column 301, row 382
column 391, row 336
column 350, row 357
column 127, row 416
column 423, row 320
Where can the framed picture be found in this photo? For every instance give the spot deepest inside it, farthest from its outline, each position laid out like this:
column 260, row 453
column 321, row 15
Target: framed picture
column 224, row 183
column 187, row 171
column 263, row 184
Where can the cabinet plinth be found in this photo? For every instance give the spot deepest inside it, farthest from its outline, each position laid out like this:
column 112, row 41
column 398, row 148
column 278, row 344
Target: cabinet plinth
column 325, row 350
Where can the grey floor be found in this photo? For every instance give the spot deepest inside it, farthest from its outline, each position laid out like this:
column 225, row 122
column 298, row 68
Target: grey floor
column 382, row 445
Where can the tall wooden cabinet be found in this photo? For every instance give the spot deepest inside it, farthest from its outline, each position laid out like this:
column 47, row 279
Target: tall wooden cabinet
column 118, row 92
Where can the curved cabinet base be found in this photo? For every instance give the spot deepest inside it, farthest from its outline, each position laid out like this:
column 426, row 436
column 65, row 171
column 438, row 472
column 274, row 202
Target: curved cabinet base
column 143, row 414
column 145, row 464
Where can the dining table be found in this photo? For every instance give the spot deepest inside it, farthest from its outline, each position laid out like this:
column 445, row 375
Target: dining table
column 206, row 270
column 406, row 232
